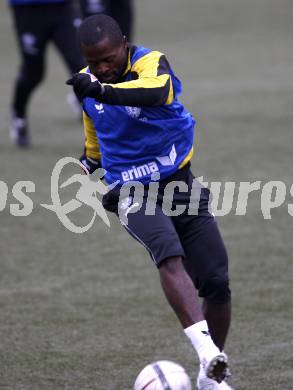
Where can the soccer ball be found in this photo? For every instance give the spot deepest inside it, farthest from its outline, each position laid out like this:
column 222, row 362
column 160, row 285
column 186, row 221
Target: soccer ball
column 162, row 375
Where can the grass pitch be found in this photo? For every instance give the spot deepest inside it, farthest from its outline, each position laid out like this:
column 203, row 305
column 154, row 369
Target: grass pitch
column 86, row 311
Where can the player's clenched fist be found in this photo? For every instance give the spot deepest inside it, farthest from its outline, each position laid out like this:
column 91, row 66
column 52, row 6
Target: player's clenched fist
column 86, row 85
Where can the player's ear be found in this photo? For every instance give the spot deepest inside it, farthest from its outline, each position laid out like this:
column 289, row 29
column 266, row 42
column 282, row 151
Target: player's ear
column 124, row 41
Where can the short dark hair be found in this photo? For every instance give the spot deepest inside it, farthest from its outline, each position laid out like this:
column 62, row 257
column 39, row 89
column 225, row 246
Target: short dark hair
column 95, row 28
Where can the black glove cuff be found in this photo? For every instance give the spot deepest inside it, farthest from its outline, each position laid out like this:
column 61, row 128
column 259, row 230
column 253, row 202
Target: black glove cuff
column 90, row 164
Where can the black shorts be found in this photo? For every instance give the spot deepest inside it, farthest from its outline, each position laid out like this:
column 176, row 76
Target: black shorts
column 196, row 238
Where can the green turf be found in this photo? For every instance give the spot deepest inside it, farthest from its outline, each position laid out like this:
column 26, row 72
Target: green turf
column 86, row 311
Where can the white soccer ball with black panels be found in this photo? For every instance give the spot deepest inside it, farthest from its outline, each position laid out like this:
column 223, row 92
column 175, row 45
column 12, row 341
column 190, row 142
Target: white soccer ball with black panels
column 163, row 375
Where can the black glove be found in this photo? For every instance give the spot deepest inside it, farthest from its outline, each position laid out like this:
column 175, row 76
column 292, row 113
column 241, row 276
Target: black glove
column 89, row 163
column 86, row 85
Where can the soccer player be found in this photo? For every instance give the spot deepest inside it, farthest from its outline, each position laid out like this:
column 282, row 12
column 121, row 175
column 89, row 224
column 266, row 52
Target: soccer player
column 120, row 10
column 138, row 132
column 38, row 22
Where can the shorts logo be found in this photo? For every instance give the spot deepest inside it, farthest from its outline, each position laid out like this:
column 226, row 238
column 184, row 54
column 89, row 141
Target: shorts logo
column 76, row 22
column 28, row 41
column 139, row 171
column 126, row 203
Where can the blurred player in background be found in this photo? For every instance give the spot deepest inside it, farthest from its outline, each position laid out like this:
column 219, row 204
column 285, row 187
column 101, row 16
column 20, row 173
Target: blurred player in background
column 120, row 10
column 136, row 129
column 38, row 22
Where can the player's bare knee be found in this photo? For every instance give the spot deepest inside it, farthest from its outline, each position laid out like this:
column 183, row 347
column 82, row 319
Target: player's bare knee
column 216, row 290
column 171, row 265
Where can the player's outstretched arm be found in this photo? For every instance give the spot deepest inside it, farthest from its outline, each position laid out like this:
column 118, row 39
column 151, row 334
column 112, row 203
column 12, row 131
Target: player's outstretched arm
column 152, row 85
